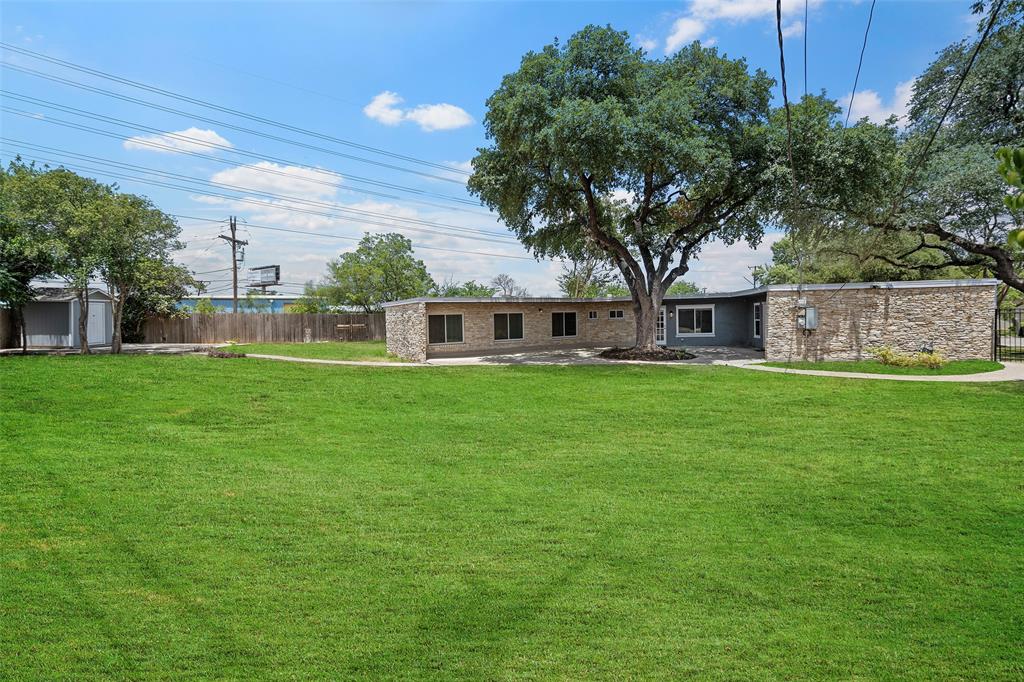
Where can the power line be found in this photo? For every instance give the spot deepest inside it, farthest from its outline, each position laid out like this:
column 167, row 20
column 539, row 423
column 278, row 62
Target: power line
column 805, row 47
column 328, row 235
column 234, row 112
column 242, row 189
column 197, row 117
column 323, row 150
column 948, row 108
column 785, row 97
column 213, row 145
column 860, row 63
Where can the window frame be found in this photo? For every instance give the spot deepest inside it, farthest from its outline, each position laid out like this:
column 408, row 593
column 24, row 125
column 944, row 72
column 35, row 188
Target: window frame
column 508, row 326
column 591, row 315
column 621, row 314
column 446, row 342
column 576, row 325
column 697, row 306
column 758, row 319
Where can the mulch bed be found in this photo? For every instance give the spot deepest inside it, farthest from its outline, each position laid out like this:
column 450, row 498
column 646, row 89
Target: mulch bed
column 659, row 355
column 224, row 354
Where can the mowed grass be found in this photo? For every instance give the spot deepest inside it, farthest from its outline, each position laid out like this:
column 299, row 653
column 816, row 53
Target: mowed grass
column 348, row 350
column 951, row 368
column 195, row 518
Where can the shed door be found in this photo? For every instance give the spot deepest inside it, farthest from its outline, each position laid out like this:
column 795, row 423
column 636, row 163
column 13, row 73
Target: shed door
column 99, row 327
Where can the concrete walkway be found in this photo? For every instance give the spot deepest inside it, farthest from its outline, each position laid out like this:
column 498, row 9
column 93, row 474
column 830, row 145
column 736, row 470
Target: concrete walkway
column 1011, row 371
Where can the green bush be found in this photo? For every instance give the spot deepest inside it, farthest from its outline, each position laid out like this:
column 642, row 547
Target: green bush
column 887, row 356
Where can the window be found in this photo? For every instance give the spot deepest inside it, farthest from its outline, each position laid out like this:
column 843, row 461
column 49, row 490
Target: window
column 757, row 320
column 563, row 324
column 616, row 314
column 592, row 315
column 508, row 326
column 695, row 320
column 444, row 329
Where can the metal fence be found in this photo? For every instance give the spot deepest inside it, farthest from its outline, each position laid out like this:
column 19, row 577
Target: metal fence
column 1008, row 338
column 265, row 328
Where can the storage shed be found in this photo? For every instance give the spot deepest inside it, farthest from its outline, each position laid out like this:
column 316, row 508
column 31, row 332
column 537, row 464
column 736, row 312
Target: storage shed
column 51, row 319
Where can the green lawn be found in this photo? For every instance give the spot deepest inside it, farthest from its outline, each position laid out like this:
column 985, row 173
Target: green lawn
column 341, row 350
column 195, row 518
column 875, row 367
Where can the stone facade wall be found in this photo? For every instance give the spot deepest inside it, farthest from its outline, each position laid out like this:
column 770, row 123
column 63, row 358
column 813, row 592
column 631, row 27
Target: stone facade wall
column 956, row 320
column 478, row 326
column 406, row 331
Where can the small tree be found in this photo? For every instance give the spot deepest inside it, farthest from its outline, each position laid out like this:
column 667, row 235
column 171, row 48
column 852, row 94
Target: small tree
column 683, row 288
column 205, row 306
column 381, row 269
column 686, row 140
column 252, row 303
column 159, row 292
column 135, row 253
column 470, row 288
column 507, row 286
column 588, row 275
column 29, row 248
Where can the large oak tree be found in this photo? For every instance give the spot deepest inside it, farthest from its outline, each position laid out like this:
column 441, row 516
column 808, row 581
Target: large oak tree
column 595, row 146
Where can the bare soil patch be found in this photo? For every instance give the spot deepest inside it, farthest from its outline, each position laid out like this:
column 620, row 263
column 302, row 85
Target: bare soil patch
column 659, row 355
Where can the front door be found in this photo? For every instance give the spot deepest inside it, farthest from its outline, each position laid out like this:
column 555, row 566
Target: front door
column 659, row 328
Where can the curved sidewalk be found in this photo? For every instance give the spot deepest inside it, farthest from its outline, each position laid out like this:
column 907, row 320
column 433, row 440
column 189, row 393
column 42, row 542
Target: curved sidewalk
column 1011, row 371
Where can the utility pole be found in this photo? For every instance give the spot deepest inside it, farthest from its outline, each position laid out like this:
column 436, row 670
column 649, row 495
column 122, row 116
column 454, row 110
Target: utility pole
column 235, row 243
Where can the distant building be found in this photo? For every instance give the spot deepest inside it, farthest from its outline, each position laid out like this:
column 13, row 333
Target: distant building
column 269, row 303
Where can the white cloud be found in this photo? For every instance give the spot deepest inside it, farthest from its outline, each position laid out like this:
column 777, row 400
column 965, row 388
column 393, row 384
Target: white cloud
column 702, row 14
column 384, row 108
column 745, row 10
column 793, row 30
column 720, row 267
column 648, row 44
column 190, row 140
column 684, row 31
column 868, row 103
column 272, row 177
column 431, row 117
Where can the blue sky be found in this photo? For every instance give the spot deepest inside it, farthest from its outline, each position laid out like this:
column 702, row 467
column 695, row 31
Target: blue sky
column 408, row 78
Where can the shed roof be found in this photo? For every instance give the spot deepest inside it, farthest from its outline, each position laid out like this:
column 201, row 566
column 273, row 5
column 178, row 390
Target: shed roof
column 63, row 294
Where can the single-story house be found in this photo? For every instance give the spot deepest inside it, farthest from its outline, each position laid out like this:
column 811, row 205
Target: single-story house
column 51, row 318
column 785, row 321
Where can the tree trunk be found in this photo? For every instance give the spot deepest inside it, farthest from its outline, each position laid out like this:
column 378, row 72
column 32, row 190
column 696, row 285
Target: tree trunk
column 24, row 332
column 83, row 322
column 118, row 309
column 645, row 310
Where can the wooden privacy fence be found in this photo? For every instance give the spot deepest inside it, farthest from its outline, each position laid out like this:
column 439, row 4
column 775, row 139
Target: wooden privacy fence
column 265, row 328
column 8, row 337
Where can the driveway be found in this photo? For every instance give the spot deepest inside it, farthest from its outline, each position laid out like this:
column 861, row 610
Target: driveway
column 589, row 356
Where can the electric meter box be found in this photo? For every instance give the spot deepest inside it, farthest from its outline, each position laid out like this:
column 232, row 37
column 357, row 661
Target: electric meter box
column 807, row 318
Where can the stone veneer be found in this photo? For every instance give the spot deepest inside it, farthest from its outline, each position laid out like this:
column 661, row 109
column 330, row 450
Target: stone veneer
column 956, row 320
column 478, row 327
column 406, row 331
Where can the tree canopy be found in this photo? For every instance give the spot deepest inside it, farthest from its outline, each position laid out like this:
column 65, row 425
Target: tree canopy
column 594, row 146
column 381, row 269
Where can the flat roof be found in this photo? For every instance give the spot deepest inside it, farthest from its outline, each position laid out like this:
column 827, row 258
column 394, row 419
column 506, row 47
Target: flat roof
column 907, row 284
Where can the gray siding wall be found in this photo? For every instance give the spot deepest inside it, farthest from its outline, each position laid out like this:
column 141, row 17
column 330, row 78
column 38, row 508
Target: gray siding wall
column 734, row 323
column 48, row 324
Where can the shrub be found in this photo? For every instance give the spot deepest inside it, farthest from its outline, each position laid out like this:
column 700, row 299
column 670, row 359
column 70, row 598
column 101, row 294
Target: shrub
column 932, row 359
